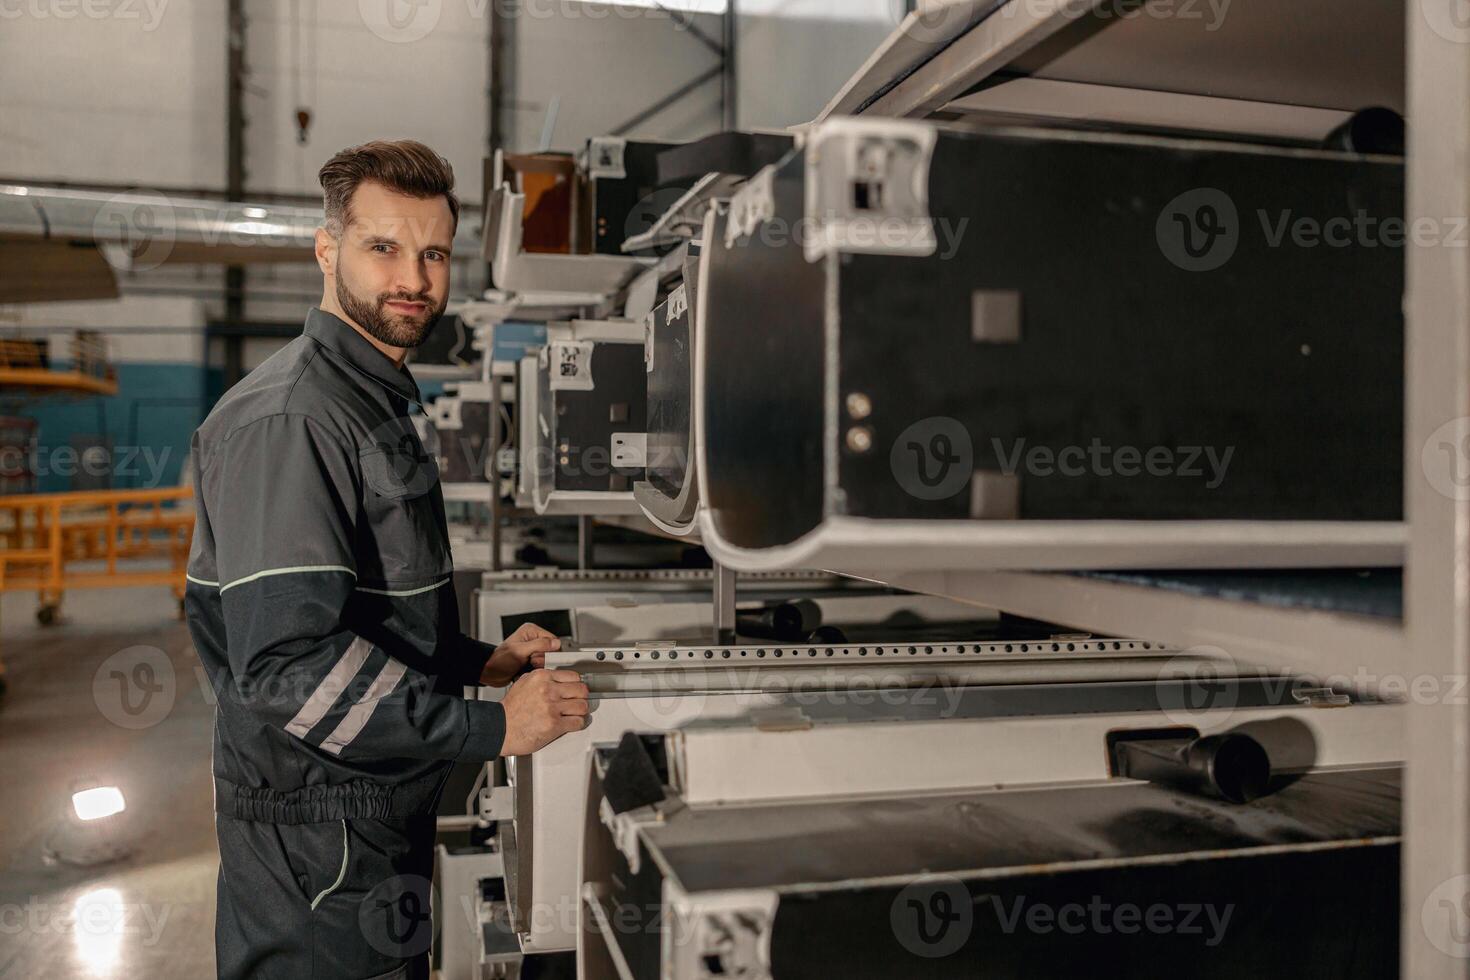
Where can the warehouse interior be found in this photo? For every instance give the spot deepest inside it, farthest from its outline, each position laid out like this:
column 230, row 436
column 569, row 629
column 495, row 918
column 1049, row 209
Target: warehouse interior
column 761, row 489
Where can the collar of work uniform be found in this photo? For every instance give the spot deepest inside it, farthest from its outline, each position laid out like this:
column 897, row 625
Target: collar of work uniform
column 344, row 340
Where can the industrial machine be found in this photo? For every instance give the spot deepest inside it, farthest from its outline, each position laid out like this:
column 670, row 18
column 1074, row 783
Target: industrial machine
column 1023, row 326
column 537, row 813
column 1137, row 385
column 848, row 840
column 591, row 418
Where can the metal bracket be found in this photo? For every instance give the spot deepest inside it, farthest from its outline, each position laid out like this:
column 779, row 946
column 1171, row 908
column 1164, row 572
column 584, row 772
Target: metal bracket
column 497, row 803
column 867, row 188
column 624, row 830
column 752, row 206
column 717, row 935
column 678, row 303
column 605, row 158
column 630, row 450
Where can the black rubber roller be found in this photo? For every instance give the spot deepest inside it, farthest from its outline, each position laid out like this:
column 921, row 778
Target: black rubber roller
column 1231, row 767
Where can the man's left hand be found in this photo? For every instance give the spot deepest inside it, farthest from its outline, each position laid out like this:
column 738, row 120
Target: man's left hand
column 527, row 646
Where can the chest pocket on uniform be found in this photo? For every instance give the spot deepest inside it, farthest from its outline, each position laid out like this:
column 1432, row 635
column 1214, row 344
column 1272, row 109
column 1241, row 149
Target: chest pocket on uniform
column 402, row 522
column 397, row 473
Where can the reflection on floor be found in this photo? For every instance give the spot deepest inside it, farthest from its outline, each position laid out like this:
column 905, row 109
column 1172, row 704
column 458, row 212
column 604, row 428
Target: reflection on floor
column 71, row 715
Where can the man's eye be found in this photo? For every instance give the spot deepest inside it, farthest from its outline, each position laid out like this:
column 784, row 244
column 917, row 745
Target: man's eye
column 383, row 249
column 435, row 256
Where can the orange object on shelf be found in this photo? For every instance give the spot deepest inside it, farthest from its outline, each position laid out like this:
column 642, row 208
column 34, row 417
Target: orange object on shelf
column 51, row 542
column 24, row 368
column 551, row 185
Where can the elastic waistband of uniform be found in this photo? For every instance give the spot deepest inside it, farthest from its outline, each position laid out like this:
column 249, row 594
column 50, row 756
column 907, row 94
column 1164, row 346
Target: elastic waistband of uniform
column 355, row 799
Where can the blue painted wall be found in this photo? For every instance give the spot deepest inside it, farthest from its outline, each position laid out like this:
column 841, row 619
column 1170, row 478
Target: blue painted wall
column 150, row 421
column 157, row 409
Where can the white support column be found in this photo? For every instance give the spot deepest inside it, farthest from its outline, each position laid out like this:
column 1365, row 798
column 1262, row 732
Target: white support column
column 724, row 603
column 1436, row 870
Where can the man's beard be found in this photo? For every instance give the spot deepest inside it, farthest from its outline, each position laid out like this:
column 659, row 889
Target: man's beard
column 393, row 329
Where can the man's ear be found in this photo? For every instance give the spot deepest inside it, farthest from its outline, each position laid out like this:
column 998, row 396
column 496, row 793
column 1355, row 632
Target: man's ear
column 326, row 252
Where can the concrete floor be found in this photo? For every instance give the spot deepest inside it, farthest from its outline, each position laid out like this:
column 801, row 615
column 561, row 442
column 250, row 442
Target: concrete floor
column 150, row 914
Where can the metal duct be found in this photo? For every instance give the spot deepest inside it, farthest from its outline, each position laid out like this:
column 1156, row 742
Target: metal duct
column 153, row 228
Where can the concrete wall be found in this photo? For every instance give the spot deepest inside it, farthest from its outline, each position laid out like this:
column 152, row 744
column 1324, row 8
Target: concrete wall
column 796, row 54
column 132, row 93
column 135, row 96
column 598, row 65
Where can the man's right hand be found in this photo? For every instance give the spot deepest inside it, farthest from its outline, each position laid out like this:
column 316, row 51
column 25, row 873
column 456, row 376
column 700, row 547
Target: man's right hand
column 541, row 707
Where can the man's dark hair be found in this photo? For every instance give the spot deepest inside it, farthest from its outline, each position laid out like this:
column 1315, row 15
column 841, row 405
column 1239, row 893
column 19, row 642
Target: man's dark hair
column 406, row 166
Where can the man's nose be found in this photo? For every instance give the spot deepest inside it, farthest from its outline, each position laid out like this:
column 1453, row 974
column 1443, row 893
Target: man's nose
column 413, row 276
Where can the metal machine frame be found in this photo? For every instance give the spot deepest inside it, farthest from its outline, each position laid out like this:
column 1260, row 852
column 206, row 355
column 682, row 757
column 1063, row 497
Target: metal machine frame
column 917, row 74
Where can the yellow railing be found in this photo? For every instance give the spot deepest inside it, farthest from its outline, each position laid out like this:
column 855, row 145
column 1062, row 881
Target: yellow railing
column 23, row 366
column 89, row 355
column 50, row 542
column 20, row 354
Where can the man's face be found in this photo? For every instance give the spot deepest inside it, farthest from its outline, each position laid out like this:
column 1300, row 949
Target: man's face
column 392, row 267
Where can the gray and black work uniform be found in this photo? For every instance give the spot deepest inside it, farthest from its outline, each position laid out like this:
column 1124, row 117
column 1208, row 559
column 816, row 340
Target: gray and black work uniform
column 321, row 603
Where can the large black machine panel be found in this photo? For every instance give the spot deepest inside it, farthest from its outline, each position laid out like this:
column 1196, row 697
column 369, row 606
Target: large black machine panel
column 625, row 194
column 1041, row 325
column 739, row 154
column 670, row 493
column 1022, row 883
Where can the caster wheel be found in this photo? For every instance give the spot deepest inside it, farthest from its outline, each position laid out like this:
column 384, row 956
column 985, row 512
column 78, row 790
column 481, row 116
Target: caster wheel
column 46, row 615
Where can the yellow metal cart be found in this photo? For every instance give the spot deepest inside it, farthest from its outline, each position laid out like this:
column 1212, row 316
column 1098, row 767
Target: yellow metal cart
column 94, row 539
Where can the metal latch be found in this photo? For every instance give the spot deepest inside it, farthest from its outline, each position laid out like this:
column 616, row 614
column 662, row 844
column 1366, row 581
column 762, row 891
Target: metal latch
column 1321, row 697
column 867, row 187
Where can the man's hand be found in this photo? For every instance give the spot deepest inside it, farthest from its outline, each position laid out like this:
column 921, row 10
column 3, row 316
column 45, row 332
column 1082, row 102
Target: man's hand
column 541, row 707
column 527, row 646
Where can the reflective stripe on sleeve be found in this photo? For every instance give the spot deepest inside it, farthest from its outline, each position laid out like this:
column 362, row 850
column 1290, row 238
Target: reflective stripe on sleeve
column 357, row 717
column 330, row 688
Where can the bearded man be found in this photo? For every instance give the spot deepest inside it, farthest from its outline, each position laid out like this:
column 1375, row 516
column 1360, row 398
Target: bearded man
column 321, row 602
